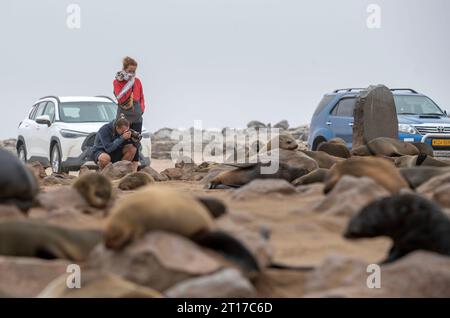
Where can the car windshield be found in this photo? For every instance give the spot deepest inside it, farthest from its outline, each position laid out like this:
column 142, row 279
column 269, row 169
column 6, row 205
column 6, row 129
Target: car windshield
column 416, row 105
column 82, row 112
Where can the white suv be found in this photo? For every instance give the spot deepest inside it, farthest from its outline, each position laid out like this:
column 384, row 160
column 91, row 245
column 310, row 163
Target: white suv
column 59, row 131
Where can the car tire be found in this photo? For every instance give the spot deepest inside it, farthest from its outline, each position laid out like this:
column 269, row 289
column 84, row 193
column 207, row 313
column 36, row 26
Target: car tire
column 317, row 143
column 22, row 152
column 55, row 159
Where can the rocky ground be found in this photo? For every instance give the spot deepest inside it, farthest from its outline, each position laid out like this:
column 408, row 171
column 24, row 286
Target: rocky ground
column 303, row 241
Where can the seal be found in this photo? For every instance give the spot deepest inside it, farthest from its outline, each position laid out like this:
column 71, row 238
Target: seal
column 96, row 284
column 158, row 207
column 245, row 173
column 420, row 160
column 24, row 238
column 315, row 176
column 424, row 148
column 379, row 169
column 323, row 159
column 412, row 222
column 18, row 185
column 95, row 188
column 389, row 147
column 419, row 175
column 335, row 147
column 134, row 180
column 285, row 141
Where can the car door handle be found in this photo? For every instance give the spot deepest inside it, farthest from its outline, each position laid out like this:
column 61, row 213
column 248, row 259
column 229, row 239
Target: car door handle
column 350, row 124
column 328, row 123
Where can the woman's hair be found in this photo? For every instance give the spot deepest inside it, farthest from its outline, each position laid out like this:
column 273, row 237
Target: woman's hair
column 127, row 61
column 122, row 122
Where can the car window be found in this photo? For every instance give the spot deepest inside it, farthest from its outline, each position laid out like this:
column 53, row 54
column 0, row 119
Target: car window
column 50, row 111
column 79, row 112
column 344, row 108
column 33, row 111
column 40, row 110
column 323, row 103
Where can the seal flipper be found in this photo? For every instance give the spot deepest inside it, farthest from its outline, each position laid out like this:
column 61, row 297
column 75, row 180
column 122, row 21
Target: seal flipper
column 242, row 165
column 230, row 247
column 215, row 206
column 421, row 158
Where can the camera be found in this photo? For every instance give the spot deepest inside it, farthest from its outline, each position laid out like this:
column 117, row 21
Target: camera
column 135, row 136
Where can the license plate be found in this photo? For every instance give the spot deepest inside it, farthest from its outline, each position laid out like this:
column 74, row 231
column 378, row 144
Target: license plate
column 441, row 142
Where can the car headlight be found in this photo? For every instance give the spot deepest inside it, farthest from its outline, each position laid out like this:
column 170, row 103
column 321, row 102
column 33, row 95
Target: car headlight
column 66, row 133
column 405, row 128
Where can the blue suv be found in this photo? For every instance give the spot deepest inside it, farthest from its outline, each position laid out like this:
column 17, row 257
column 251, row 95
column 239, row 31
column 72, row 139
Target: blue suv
column 419, row 119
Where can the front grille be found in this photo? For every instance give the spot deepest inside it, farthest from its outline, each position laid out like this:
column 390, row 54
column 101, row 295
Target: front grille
column 423, row 130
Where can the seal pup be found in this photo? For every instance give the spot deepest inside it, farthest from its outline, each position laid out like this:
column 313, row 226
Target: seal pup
column 134, row 180
column 24, row 238
column 335, row 147
column 18, row 185
column 158, row 207
column 285, row 141
column 315, row 176
column 412, row 222
column 323, row 159
column 95, row 188
column 379, row 169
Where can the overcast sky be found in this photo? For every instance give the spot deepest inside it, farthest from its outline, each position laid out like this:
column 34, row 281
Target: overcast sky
column 224, row 62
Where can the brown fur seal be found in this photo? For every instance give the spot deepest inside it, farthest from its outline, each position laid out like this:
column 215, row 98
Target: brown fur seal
column 315, row 176
column 412, row 222
column 323, row 159
column 335, row 147
column 95, row 188
column 97, row 284
column 360, row 151
column 157, row 207
column 245, row 173
column 18, row 185
column 134, row 180
column 419, row 175
column 285, row 141
column 424, row 148
column 390, row 147
column 422, row 160
column 379, row 169
column 34, row 239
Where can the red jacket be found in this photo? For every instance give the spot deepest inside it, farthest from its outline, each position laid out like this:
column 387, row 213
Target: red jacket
column 138, row 93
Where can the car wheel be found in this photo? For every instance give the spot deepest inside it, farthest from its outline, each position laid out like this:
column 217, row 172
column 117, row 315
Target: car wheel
column 55, row 159
column 317, row 143
column 22, row 153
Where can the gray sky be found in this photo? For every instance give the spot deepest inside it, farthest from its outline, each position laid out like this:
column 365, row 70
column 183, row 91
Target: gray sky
column 224, row 62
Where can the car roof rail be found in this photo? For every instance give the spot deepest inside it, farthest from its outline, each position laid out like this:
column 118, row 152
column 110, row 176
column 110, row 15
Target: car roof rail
column 347, row 90
column 107, row 97
column 51, row 96
column 405, row 89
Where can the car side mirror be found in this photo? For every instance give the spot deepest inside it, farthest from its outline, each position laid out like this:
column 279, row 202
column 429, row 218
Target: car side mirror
column 446, row 113
column 44, row 120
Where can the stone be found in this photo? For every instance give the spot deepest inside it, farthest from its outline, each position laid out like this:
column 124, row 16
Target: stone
column 154, row 174
column 256, row 124
column 350, row 195
column 260, row 187
column 375, row 115
column 418, row 275
column 26, row 277
column 158, row 260
column 227, row 283
column 37, row 169
column 117, row 170
column 284, row 125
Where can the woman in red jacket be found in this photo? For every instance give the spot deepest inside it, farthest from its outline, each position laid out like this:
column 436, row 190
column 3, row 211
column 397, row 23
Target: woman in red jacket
column 129, row 94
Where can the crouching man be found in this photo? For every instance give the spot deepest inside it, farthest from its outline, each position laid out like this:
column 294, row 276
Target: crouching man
column 113, row 143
